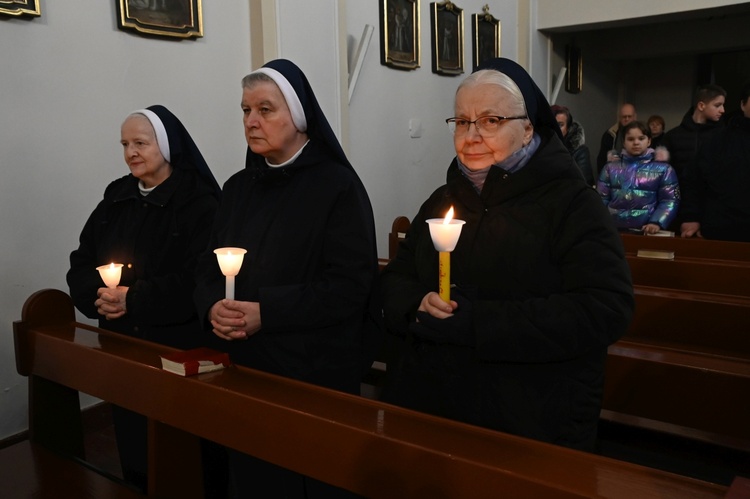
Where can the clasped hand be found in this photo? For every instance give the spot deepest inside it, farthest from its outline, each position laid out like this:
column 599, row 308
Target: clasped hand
column 235, row 320
column 443, row 322
column 112, row 302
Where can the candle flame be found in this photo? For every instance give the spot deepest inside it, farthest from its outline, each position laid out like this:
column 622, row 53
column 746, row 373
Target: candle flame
column 112, row 266
column 448, row 217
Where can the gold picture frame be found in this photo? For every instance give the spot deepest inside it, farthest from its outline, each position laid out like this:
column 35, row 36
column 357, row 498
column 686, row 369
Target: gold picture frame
column 170, row 18
column 399, row 34
column 20, row 7
column 485, row 41
column 447, row 30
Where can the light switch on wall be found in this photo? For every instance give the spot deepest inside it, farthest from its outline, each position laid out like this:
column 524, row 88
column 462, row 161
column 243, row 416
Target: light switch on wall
column 415, row 128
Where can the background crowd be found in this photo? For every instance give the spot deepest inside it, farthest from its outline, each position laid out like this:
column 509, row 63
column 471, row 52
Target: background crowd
column 688, row 180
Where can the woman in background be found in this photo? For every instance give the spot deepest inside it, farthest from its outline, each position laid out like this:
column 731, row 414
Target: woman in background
column 574, row 140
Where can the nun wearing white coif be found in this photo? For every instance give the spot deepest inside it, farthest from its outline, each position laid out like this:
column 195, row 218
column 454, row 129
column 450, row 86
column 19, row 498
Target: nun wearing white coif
column 306, row 301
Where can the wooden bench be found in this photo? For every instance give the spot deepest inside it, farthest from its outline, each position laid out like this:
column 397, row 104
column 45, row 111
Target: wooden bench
column 362, row 445
column 689, row 248
column 711, row 323
column 692, row 274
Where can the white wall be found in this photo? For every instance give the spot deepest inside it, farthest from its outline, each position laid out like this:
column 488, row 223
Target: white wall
column 579, row 13
column 398, row 171
column 68, row 79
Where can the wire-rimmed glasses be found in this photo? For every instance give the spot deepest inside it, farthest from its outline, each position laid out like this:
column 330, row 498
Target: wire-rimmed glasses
column 485, row 125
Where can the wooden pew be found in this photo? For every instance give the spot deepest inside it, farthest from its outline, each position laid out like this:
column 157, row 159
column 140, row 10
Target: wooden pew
column 368, row 447
column 714, row 324
column 399, row 228
column 692, row 274
column 690, row 248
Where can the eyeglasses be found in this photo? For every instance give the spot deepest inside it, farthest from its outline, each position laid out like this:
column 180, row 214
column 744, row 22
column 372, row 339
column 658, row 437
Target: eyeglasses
column 486, row 125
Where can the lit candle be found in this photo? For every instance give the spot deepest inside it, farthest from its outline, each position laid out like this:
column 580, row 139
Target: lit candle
column 110, row 274
column 445, row 233
column 230, row 261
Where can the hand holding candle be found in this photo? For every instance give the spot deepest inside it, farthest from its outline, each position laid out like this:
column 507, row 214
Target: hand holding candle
column 230, row 261
column 110, row 274
column 445, row 233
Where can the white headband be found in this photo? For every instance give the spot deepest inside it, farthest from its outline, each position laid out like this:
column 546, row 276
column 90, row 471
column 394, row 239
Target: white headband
column 292, row 100
column 161, row 133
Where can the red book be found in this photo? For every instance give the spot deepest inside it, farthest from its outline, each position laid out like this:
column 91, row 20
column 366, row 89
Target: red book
column 195, row 361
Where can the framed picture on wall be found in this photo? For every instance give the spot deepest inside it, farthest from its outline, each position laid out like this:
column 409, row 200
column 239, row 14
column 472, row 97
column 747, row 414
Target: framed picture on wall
column 172, row 18
column 485, row 42
column 574, row 65
column 20, row 7
column 447, row 28
column 399, row 34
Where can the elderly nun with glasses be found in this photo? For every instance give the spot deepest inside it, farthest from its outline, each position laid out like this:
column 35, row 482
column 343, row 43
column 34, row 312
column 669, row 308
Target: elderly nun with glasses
column 539, row 282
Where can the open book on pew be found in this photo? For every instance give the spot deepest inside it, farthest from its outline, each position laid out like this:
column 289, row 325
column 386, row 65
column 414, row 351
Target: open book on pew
column 662, row 233
column 195, row 361
column 658, row 254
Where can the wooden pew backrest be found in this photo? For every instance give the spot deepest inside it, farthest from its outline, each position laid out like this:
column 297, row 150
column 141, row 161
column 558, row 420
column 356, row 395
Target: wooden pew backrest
column 690, row 248
column 368, row 447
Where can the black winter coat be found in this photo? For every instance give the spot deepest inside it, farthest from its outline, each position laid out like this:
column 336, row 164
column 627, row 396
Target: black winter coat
column 158, row 239
column 715, row 188
column 543, row 270
column 311, row 263
column 575, row 142
column 684, row 140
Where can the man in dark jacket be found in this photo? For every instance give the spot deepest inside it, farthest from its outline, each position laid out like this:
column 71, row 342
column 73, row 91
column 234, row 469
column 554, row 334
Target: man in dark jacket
column 715, row 186
column 697, row 127
column 612, row 138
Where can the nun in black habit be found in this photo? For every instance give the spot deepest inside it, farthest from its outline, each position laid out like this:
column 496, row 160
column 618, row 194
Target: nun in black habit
column 156, row 222
column 541, row 283
column 306, row 304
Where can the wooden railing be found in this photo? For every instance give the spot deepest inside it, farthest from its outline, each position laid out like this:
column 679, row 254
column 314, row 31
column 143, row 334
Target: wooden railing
column 362, row 445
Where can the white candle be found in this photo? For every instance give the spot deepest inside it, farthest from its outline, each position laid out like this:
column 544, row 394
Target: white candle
column 110, row 274
column 445, row 233
column 230, row 261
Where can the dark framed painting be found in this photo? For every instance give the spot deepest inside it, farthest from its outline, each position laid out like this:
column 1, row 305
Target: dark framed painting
column 399, row 34
column 574, row 73
column 447, row 28
column 20, row 7
column 171, row 18
column 485, row 41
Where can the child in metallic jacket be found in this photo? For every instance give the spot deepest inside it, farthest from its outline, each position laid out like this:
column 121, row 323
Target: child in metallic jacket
column 640, row 188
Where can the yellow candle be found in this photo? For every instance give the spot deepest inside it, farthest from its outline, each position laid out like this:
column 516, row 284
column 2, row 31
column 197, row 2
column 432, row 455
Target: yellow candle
column 444, row 288
column 445, row 233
